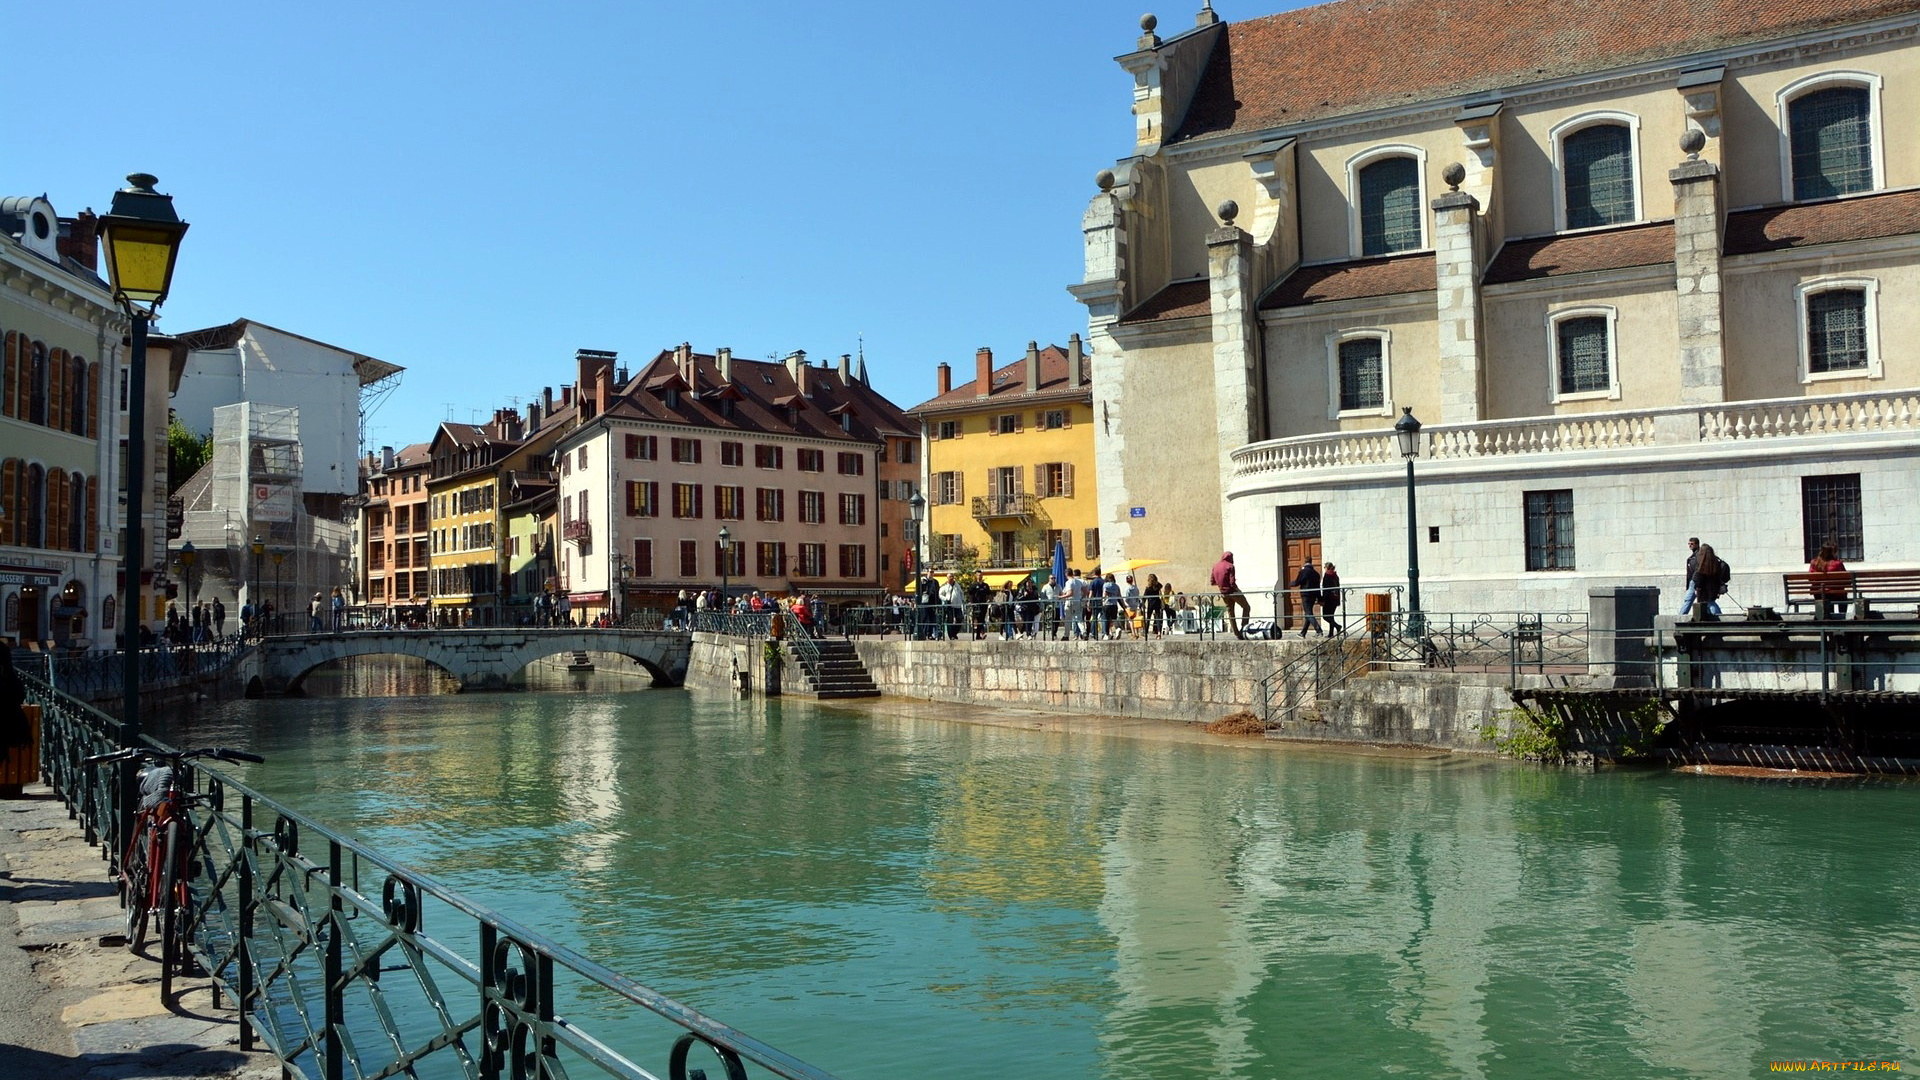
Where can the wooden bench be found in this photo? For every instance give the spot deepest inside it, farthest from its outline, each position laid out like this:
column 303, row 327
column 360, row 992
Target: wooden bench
column 1858, row 589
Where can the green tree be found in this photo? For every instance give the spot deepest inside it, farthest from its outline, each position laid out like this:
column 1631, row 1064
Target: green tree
column 187, row 453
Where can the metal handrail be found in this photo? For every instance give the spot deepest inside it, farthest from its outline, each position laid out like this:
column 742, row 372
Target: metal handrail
column 308, row 930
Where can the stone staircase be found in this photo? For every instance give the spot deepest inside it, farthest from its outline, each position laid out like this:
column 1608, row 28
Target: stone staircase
column 836, row 671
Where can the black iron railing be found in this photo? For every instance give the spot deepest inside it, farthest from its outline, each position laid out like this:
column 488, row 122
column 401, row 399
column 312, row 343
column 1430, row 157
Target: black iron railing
column 345, row 963
column 91, row 674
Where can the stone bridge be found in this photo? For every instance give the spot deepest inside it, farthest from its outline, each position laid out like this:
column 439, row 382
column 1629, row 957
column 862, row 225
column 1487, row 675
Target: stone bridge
column 491, row 659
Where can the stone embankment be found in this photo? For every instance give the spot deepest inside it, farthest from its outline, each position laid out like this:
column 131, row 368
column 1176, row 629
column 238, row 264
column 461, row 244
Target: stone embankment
column 78, row 1005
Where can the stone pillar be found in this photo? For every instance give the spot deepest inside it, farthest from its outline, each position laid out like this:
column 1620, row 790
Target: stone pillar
column 1619, row 621
column 1696, row 272
column 1236, row 353
column 1456, row 249
column 1103, row 290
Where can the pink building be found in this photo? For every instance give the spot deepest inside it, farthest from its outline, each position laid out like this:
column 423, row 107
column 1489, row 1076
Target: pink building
column 805, row 467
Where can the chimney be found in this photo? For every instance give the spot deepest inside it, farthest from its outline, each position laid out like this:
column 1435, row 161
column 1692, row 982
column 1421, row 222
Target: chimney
column 546, row 400
column 1076, row 363
column 1033, row 367
column 81, row 239
column 689, row 367
column 944, row 380
column 533, row 417
column 603, row 388
column 723, row 359
column 797, row 368
column 566, row 396
column 846, row 369
column 386, row 459
column 983, row 372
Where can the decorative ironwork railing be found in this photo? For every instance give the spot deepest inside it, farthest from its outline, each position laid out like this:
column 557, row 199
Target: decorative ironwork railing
column 1020, row 504
column 577, row 529
column 345, row 963
column 93, row 673
column 1838, row 414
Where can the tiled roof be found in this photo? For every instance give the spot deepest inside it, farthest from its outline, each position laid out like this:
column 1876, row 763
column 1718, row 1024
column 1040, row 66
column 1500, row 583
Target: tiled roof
column 1352, row 55
column 1776, row 228
column 1581, row 253
column 1389, row 276
column 1177, row 301
column 758, row 386
column 1010, row 381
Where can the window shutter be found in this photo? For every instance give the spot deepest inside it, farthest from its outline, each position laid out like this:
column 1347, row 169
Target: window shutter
column 54, row 532
column 10, row 374
column 959, row 487
column 56, row 387
column 9, row 483
column 1066, row 479
column 93, row 410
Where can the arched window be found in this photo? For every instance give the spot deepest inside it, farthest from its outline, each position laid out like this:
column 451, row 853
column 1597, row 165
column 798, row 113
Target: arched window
column 1387, row 195
column 33, row 509
column 76, row 522
column 37, row 382
column 1596, row 168
column 1584, row 357
column 1830, row 128
column 79, row 395
column 1839, row 329
column 1358, row 374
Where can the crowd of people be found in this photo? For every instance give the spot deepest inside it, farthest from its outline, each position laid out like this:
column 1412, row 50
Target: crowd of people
column 1087, row 605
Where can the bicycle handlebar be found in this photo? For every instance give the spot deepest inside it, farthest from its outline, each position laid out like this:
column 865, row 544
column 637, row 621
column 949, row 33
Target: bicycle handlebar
column 219, row 753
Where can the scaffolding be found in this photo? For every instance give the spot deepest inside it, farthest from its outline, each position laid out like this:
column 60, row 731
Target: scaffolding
column 252, row 490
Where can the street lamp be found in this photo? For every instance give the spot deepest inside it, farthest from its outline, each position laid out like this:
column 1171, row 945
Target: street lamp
column 187, row 558
column 279, row 601
column 141, row 235
column 253, row 587
column 726, row 550
column 917, row 513
column 1407, row 431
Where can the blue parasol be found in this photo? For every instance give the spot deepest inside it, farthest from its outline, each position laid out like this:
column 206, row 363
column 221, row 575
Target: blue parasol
column 1059, row 564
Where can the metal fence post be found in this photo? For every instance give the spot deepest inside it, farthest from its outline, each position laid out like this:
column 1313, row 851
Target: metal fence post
column 248, row 1036
column 334, row 1066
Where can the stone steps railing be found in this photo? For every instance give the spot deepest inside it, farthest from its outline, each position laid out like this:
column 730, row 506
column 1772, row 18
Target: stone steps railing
column 1838, row 414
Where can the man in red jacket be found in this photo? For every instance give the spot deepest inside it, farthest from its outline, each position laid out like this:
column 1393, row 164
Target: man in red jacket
column 1228, row 583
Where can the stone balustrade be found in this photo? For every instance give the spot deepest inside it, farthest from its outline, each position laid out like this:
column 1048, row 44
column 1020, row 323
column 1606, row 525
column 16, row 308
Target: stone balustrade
column 1676, row 426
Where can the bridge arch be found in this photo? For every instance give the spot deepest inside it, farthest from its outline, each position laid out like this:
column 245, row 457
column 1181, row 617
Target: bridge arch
column 485, row 659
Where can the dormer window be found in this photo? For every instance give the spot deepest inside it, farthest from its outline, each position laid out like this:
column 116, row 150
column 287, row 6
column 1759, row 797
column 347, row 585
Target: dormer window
column 1831, row 126
column 1595, row 162
column 1390, row 206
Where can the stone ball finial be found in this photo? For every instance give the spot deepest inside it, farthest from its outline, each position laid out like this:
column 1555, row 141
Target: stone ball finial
column 1148, row 22
column 1228, row 210
column 1453, row 174
column 1692, row 141
column 1104, row 178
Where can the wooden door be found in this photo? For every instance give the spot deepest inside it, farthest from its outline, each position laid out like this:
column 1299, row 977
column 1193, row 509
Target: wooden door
column 1299, row 530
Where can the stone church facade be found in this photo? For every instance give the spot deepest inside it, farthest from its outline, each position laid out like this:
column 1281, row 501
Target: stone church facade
column 1641, row 276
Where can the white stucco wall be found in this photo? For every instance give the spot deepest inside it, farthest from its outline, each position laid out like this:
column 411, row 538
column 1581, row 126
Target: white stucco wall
column 273, row 368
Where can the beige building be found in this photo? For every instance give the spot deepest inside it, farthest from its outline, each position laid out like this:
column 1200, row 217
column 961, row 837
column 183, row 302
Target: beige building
column 59, row 560
column 1642, row 275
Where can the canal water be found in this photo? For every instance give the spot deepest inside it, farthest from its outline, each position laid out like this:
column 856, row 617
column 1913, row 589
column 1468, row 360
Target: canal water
column 894, row 893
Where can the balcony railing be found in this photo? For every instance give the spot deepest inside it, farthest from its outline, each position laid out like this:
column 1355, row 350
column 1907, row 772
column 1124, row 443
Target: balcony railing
column 1672, row 427
column 1018, row 504
column 577, row 529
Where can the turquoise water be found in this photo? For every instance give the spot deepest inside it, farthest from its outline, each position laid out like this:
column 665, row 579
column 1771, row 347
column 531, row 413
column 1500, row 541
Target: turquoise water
column 890, row 894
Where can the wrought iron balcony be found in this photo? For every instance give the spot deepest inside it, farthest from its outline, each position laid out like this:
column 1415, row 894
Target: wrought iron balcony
column 1017, row 504
column 577, row 530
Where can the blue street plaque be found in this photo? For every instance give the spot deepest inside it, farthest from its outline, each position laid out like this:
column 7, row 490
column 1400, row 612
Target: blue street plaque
column 1137, row 511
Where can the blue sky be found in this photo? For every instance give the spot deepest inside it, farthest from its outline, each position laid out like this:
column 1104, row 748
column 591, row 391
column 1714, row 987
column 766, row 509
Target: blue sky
column 476, row 190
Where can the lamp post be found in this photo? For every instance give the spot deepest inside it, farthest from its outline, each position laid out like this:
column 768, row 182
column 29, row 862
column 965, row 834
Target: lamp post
column 917, row 513
column 1407, row 431
column 253, row 587
column 187, row 559
column 623, row 568
column 726, row 564
column 279, row 601
column 141, row 235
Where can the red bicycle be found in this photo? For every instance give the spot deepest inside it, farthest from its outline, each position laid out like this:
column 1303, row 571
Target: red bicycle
column 158, row 863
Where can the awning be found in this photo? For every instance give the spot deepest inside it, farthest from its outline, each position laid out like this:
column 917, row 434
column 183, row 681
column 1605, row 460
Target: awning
column 587, row 598
column 996, row 579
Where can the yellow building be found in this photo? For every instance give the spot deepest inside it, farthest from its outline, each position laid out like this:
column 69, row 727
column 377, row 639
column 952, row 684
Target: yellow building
column 1010, row 463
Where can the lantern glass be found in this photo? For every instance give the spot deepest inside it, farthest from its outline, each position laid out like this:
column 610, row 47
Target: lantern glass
column 140, row 260
column 1407, row 431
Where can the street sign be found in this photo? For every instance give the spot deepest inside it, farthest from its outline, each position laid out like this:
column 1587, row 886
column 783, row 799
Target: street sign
column 1137, row 511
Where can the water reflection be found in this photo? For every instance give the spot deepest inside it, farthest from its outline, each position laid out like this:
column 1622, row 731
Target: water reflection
column 896, row 896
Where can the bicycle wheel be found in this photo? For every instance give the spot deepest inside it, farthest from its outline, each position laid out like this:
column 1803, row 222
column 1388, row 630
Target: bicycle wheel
column 137, row 880
column 171, row 922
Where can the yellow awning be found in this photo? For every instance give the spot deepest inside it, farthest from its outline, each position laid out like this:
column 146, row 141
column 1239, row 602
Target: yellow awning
column 998, row 579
